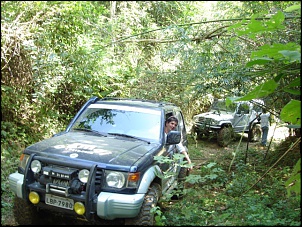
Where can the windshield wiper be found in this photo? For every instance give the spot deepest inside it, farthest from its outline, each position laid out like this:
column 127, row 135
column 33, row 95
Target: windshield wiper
column 129, row 136
column 90, row 130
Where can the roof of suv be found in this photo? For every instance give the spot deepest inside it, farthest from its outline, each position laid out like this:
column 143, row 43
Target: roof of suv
column 136, row 102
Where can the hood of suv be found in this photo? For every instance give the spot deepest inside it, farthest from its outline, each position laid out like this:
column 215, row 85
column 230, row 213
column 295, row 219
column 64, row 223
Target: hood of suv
column 215, row 115
column 101, row 149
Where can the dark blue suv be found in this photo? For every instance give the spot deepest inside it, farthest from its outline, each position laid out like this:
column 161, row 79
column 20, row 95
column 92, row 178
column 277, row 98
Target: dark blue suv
column 104, row 166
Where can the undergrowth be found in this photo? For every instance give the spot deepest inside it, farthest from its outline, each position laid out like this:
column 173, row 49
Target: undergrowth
column 215, row 196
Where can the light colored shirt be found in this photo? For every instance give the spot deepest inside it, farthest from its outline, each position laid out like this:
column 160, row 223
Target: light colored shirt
column 264, row 119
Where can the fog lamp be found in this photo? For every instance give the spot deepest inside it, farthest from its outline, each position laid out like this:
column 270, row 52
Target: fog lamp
column 34, row 197
column 79, row 208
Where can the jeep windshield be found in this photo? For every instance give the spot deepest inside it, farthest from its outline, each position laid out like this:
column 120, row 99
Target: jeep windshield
column 220, row 105
column 131, row 122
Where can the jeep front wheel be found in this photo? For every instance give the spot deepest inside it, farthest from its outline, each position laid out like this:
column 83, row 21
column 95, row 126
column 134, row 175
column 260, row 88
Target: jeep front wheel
column 145, row 216
column 225, row 136
column 196, row 132
column 255, row 133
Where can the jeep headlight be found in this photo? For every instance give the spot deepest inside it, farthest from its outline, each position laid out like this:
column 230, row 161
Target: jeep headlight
column 214, row 122
column 83, row 175
column 115, row 179
column 36, row 166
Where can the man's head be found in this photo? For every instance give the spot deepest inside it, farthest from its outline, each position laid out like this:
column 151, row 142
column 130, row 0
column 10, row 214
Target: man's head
column 171, row 123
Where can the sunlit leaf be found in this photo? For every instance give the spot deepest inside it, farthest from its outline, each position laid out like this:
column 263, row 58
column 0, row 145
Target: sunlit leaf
column 276, row 20
column 291, row 112
column 292, row 8
column 260, row 91
column 274, row 51
column 259, row 61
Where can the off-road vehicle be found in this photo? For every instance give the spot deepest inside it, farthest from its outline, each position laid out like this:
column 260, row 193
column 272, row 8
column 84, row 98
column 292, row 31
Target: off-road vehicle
column 104, row 166
column 224, row 121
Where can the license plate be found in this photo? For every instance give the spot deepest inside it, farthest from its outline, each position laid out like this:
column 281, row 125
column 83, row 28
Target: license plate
column 59, row 201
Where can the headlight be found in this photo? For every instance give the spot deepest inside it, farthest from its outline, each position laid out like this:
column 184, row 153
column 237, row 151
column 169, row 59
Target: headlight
column 23, row 160
column 115, row 179
column 83, row 175
column 214, row 122
column 35, row 166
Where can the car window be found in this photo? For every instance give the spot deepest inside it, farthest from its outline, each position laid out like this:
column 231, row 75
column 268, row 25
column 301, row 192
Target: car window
column 135, row 122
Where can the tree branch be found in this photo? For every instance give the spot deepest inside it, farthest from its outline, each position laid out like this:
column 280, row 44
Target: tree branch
column 202, row 22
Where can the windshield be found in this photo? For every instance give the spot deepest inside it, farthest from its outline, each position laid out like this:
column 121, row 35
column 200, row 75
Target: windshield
column 132, row 121
column 220, row 105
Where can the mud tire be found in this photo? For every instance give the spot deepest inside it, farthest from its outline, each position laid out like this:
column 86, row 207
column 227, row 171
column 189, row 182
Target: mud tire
column 225, row 136
column 255, row 133
column 145, row 216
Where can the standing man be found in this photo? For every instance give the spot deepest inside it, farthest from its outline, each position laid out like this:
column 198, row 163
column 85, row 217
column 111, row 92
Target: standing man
column 264, row 116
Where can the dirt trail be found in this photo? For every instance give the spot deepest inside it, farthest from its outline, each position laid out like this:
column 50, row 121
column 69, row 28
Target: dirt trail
column 210, row 150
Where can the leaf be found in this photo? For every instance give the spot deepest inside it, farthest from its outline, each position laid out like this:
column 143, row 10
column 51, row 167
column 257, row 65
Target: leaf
column 276, row 21
column 255, row 26
column 260, row 91
column 278, row 77
column 293, row 184
column 212, row 176
column 291, row 112
column 273, row 51
column 292, row 56
column 292, row 8
column 296, row 82
column 259, row 61
column 291, row 91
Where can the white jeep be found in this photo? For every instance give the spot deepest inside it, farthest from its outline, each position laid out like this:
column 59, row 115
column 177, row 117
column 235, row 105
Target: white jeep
column 223, row 121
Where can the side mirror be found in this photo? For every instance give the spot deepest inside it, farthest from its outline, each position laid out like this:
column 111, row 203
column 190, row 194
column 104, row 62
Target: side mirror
column 173, row 137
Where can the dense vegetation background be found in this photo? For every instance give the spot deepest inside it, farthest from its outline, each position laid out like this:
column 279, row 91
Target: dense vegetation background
column 57, row 54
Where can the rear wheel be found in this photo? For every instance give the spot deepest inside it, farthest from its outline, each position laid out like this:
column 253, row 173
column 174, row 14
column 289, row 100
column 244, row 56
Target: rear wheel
column 225, row 136
column 255, row 133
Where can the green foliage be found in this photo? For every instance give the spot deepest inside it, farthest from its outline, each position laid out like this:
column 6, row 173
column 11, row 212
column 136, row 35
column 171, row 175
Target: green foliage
column 226, row 204
column 293, row 184
column 55, row 55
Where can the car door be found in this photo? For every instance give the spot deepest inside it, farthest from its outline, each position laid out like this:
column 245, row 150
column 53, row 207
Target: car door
column 241, row 118
column 170, row 168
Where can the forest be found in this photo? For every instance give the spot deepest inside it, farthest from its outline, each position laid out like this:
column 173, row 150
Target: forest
column 55, row 55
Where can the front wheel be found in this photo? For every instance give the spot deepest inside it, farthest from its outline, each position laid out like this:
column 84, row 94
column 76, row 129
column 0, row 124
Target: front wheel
column 145, row 216
column 196, row 132
column 225, row 136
